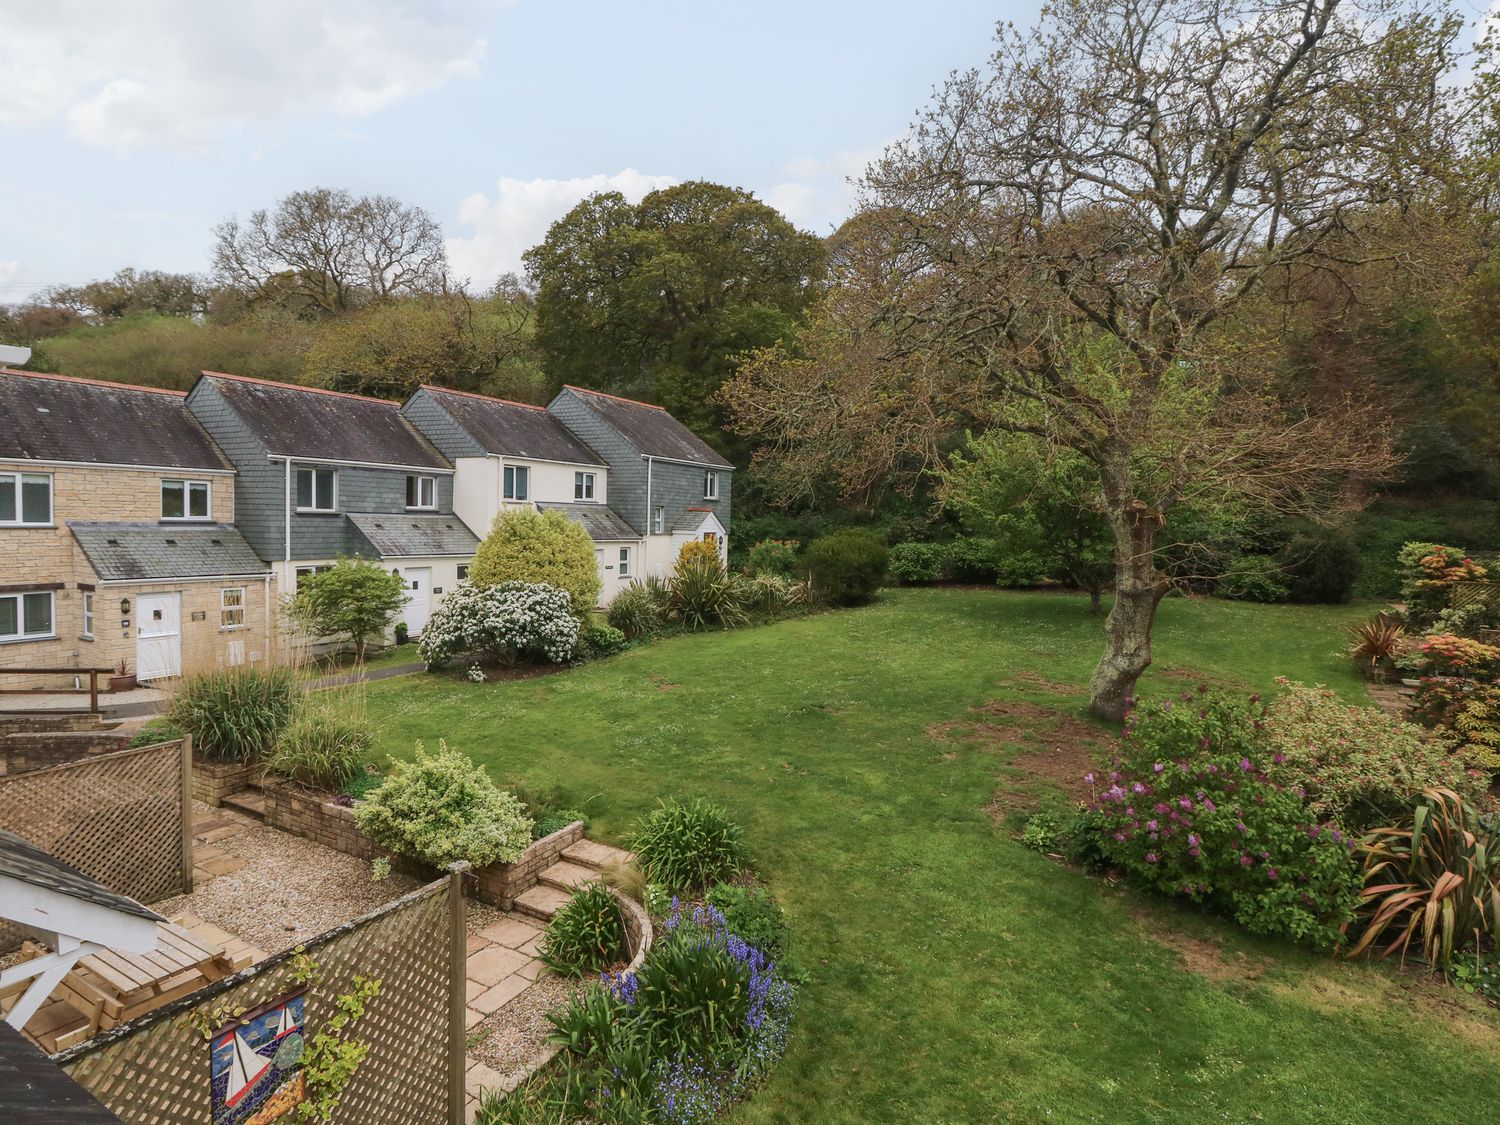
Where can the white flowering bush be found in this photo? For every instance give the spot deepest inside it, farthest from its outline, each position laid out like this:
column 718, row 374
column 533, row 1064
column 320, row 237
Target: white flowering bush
column 506, row 623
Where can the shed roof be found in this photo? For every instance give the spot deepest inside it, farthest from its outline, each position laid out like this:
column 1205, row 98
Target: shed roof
column 34, row 1090
column 604, row 524
column 23, row 860
column 513, row 429
column 409, row 536
column 314, row 424
column 650, row 429
column 59, row 418
column 123, row 551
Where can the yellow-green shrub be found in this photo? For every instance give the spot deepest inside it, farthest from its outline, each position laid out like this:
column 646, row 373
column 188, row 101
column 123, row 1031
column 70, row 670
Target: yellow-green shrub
column 539, row 547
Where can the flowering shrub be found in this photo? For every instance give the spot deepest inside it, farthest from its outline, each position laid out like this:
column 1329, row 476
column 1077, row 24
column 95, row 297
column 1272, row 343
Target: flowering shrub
column 698, row 549
column 440, row 808
column 544, row 548
column 1358, row 765
column 506, row 623
column 1191, row 809
column 680, row 1040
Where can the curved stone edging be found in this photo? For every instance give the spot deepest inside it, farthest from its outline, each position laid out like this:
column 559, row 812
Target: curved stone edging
column 639, row 933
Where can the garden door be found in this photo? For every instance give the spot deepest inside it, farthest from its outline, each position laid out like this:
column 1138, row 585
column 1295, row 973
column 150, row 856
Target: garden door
column 418, row 598
column 158, row 636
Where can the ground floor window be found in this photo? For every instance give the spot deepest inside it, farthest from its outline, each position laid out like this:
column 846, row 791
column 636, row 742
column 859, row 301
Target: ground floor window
column 25, row 617
column 232, row 607
column 463, row 572
column 624, row 562
column 88, row 615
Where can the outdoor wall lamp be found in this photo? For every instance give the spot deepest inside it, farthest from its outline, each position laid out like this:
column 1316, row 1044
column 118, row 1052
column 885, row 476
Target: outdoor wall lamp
column 124, row 606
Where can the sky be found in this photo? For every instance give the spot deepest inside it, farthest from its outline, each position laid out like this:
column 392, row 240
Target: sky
column 128, row 131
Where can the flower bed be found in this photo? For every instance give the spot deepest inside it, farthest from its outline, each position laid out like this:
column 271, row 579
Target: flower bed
column 300, row 811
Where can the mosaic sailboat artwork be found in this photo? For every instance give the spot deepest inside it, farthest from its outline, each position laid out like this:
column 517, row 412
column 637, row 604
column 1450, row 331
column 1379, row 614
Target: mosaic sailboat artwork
column 256, row 1073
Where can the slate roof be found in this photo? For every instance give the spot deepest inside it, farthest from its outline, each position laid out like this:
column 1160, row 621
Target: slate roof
column 58, row 418
column 20, row 859
column 651, row 429
column 409, row 535
column 694, row 518
column 313, row 424
column 513, row 429
column 147, row 550
column 34, row 1090
column 603, row 524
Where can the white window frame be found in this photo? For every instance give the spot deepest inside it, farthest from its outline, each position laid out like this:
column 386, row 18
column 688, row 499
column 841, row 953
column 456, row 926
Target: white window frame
column 307, row 572
column 424, row 484
column 225, row 609
column 463, row 572
column 21, row 634
column 624, row 570
column 88, row 615
column 19, row 481
column 583, row 486
column 188, row 487
column 315, row 470
column 659, row 521
column 513, row 476
column 710, row 485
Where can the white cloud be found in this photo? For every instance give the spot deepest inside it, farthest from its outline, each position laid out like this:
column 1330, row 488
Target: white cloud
column 516, row 218
column 179, row 74
column 820, row 193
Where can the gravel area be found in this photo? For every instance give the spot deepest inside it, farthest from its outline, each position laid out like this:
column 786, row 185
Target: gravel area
column 515, row 1038
column 290, row 889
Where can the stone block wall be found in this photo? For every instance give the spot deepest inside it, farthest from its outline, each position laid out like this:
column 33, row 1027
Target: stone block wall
column 500, row 883
column 213, row 781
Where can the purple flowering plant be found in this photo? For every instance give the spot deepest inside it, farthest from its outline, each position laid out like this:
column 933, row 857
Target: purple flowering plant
column 1193, row 807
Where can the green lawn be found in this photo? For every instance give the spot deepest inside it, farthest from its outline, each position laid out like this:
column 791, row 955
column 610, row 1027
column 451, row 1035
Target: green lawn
column 956, row 975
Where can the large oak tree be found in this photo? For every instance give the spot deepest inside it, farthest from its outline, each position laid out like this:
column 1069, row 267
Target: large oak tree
column 1062, row 245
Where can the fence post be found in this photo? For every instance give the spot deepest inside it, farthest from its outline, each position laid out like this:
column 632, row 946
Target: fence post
column 187, row 814
column 458, row 958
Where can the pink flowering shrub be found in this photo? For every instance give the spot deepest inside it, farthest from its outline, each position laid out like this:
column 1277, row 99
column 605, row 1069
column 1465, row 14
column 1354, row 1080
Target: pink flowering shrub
column 1446, row 654
column 1191, row 808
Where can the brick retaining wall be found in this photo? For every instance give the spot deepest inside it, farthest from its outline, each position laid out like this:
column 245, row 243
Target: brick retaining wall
column 213, row 781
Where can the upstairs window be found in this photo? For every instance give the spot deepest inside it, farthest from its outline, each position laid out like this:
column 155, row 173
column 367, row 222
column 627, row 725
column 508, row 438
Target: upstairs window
column 317, row 490
column 517, row 482
column 421, row 492
column 710, row 486
column 308, row 572
column 659, row 522
column 26, row 617
column 583, row 486
column 185, row 500
column 25, row 499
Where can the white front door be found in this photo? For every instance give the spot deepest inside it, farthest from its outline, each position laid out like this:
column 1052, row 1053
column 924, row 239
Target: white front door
column 158, row 636
column 418, row 598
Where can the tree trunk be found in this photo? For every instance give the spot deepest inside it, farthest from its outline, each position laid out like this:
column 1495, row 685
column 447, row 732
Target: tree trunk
column 1096, row 600
column 1139, row 588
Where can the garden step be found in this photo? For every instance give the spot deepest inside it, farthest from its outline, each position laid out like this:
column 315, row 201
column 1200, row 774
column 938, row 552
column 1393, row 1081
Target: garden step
column 588, row 853
column 568, row 877
column 251, row 802
column 541, row 902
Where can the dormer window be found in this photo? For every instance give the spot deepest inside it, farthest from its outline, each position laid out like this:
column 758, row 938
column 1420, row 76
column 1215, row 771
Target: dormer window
column 710, row 485
column 583, row 486
column 185, row 500
column 421, row 493
column 317, row 490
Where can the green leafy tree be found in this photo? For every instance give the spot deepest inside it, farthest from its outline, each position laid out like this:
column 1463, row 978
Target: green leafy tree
column 453, row 340
column 1029, row 497
column 547, row 547
column 355, row 597
column 656, row 299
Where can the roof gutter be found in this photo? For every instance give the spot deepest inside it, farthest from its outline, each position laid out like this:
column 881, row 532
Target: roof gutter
column 356, row 464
